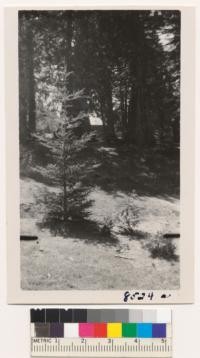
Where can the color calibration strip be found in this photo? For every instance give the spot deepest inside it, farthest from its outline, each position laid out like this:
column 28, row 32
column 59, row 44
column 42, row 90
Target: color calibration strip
column 97, row 333
column 100, row 330
column 82, row 323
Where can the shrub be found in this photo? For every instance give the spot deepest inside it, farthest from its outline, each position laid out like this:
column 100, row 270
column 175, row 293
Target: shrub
column 128, row 221
column 164, row 250
column 106, row 227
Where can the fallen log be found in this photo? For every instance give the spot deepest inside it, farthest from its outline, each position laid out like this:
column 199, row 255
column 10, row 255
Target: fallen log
column 171, row 236
column 28, row 237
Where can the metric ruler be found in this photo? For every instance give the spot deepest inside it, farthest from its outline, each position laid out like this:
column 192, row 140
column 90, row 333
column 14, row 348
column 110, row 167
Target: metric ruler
column 63, row 333
column 91, row 347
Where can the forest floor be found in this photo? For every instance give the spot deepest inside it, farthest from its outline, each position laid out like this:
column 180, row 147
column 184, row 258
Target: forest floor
column 86, row 260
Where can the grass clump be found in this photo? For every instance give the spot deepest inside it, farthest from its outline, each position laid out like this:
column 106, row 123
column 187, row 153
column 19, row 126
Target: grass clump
column 106, row 228
column 163, row 249
column 128, row 221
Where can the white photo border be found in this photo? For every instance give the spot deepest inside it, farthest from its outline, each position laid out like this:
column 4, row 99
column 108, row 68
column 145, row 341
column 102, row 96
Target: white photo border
column 187, row 155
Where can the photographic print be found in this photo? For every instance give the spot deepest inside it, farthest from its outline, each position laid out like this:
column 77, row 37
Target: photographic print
column 99, row 138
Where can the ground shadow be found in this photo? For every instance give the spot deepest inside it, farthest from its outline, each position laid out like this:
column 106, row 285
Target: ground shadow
column 148, row 172
column 85, row 229
column 122, row 167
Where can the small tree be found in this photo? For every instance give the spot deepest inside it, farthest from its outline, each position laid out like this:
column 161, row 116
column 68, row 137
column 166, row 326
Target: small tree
column 75, row 139
column 71, row 168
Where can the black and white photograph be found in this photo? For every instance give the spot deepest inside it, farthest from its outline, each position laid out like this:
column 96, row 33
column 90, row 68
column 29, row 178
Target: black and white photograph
column 100, row 154
column 99, row 127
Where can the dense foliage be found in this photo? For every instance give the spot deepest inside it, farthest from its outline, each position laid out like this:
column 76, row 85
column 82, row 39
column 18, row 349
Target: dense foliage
column 128, row 63
column 120, row 66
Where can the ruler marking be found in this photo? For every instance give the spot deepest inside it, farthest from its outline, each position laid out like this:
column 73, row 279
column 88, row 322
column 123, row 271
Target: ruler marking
column 57, row 347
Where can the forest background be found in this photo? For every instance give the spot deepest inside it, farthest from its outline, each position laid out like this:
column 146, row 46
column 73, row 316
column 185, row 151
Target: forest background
column 99, row 109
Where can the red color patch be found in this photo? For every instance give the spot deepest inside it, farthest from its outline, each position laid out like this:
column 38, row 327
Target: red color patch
column 100, row 330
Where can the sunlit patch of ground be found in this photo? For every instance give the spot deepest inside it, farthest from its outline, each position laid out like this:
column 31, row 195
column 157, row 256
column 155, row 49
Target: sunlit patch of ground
column 58, row 262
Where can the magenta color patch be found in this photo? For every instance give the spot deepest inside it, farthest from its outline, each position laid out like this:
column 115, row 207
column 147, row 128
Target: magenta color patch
column 86, row 330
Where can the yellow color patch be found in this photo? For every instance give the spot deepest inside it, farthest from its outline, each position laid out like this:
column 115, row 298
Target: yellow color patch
column 114, row 330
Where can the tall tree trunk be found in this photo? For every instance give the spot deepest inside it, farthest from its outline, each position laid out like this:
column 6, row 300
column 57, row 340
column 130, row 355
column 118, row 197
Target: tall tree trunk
column 109, row 113
column 136, row 113
column 149, row 123
column 68, row 52
column 124, row 111
column 131, row 115
column 30, row 79
column 136, row 120
column 139, row 115
column 23, row 109
column 126, row 106
column 107, row 106
column 68, row 109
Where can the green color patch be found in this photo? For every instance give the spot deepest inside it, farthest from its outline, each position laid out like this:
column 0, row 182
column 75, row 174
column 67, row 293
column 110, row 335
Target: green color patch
column 129, row 330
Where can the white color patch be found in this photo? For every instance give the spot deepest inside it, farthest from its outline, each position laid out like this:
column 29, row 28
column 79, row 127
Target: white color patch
column 71, row 330
column 164, row 316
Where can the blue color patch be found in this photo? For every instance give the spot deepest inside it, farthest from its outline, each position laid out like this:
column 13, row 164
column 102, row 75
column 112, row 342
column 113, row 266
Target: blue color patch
column 159, row 330
column 144, row 330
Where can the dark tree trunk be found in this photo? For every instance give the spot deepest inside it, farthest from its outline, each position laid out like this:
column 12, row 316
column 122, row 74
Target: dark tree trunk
column 68, row 52
column 137, row 115
column 27, row 105
column 23, row 109
column 124, row 111
column 125, row 107
column 107, row 107
column 149, row 123
column 110, row 131
column 30, row 80
column 130, row 122
column 68, row 109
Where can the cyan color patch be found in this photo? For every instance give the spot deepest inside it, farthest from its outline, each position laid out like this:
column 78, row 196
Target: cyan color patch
column 144, row 330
